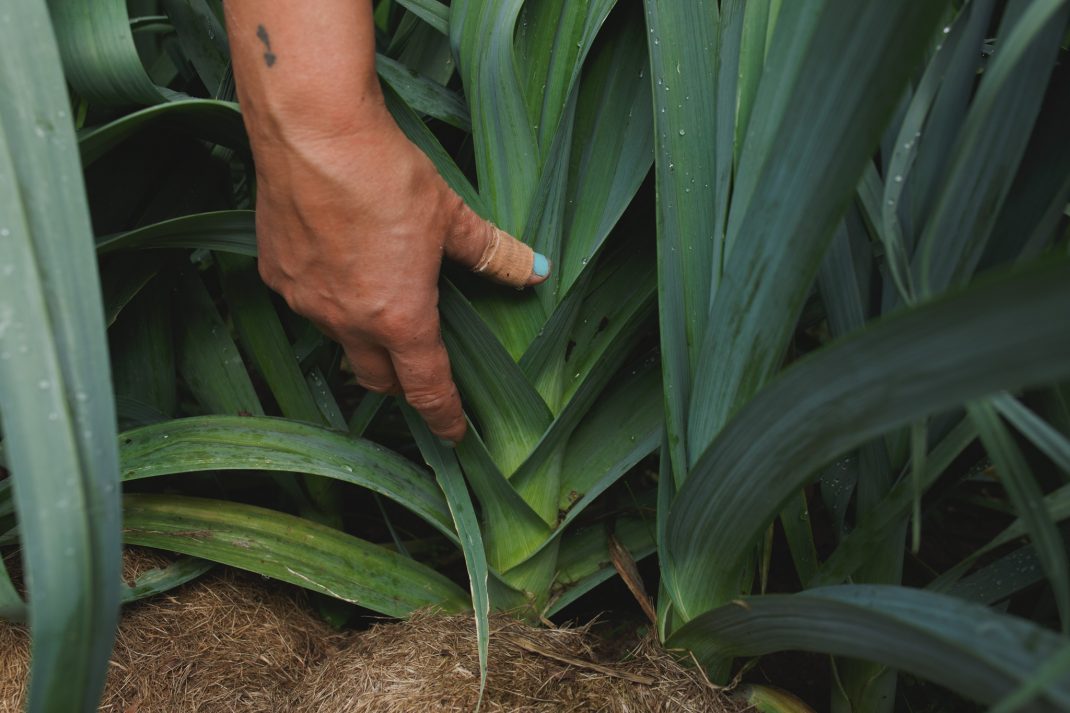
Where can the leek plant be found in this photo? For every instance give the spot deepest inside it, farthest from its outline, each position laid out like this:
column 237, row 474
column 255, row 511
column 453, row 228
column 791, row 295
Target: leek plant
column 834, row 166
column 884, row 153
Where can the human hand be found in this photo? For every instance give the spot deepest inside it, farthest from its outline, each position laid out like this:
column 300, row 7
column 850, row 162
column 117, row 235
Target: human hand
column 352, row 227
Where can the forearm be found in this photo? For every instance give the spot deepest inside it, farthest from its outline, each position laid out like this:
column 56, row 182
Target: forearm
column 304, row 69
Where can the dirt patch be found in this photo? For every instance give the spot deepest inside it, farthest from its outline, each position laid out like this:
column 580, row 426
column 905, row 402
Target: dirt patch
column 233, row 642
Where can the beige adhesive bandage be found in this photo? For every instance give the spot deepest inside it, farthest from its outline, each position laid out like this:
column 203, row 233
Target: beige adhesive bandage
column 506, row 260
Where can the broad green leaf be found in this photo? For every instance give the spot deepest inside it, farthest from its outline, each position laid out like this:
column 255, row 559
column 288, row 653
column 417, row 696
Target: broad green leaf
column 999, row 579
column 689, row 241
column 506, row 154
column 99, row 56
column 609, row 159
column 1046, row 676
column 231, row 231
column 55, row 388
column 552, row 43
column 511, row 413
column 422, row 94
column 811, row 144
column 223, row 443
column 978, row 653
column 289, row 549
column 919, row 361
column 514, row 530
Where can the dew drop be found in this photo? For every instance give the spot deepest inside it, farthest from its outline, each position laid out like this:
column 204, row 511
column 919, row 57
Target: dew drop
column 43, row 385
column 682, row 132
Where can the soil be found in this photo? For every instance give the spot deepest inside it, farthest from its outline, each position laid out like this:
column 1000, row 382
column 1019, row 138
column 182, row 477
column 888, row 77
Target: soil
column 233, row 641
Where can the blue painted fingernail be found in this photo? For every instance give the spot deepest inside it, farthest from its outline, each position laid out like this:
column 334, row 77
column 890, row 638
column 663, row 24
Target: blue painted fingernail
column 542, row 266
column 446, row 443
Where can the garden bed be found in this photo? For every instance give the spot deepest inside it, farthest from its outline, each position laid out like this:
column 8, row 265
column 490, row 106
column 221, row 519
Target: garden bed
column 233, row 641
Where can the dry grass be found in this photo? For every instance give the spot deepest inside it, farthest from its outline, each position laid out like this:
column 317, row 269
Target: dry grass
column 229, row 643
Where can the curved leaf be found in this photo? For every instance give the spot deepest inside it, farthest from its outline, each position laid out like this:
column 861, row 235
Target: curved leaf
column 966, row 647
column 289, row 549
column 919, row 361
column 223, row 443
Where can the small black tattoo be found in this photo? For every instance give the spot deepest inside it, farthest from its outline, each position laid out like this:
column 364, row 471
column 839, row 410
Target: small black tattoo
column 269, row 56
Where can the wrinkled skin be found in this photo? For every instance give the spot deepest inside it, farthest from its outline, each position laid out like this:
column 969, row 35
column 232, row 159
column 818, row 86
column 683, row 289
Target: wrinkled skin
column 353, row 220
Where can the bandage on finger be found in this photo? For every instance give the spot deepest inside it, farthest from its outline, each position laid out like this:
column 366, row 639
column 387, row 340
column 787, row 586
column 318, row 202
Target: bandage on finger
column 506, row 260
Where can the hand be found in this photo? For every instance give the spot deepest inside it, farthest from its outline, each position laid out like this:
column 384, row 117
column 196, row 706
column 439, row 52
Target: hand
column 351, row 230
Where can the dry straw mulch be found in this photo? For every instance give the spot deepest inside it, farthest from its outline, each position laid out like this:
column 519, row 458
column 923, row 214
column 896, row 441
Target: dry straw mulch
column 233, row 642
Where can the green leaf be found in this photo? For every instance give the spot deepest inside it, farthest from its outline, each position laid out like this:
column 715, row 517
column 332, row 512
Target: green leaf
column 512, row 414
column 216, row 121
column 99, row 57
column 55, row 397
column 1026, row 497
column 991, row 144
column 424, row 95
column 974, row 651
column 444, row 462
column 208, row 358
column 289, row 549
column 689, row 239
column 229, row 231
column 1048, row 675
column 202, row 39
column 222, row 443
column 918, row 361
column 809, row 143
column 871, row 532
column 506, row 155
column 164, row 579
column 515, row 531
column 609, row 159
column 1047, row 440
column 432, row 12
column 143, row 365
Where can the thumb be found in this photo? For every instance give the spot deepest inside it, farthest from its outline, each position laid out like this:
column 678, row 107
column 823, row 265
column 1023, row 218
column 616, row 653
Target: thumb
column 489, row 251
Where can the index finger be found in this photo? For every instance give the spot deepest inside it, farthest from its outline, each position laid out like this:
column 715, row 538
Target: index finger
column 423, row 369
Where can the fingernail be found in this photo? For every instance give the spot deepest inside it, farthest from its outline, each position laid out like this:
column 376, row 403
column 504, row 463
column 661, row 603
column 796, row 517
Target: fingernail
column 542, row 266
column 446, row 443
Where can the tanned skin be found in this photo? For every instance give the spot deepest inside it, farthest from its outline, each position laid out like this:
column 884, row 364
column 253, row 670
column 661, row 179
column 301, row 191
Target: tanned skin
column 352, row 219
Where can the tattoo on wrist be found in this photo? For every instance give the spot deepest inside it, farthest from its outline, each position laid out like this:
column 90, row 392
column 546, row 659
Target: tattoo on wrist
column 269, row 56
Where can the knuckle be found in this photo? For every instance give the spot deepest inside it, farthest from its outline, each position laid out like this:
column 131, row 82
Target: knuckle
column 378, row 387
column 434, row 400
column 393, row 323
